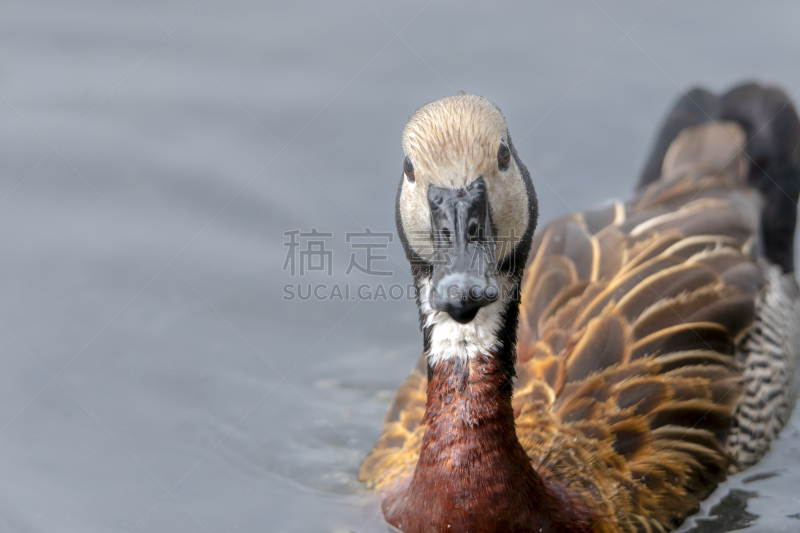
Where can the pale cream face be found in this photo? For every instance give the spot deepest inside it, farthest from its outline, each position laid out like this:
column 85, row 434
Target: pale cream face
column 451, row 143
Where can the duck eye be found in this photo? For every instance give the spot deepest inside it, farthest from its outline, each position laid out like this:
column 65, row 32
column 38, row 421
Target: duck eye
column 503, row 156
column 408, row 170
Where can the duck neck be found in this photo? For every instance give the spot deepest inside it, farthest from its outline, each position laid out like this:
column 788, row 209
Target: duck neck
column 473, row 474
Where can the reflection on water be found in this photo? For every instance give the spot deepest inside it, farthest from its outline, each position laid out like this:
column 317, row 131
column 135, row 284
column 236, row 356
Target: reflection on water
column 154, row 378
column 731, row 514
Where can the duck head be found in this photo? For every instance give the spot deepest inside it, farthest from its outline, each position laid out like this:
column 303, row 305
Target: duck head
column 466, row 211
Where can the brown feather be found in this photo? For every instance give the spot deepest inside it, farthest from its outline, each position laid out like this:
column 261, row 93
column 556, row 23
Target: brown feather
column 693, row 336
column 602, row 345
column 674, row 311
column 667, row 283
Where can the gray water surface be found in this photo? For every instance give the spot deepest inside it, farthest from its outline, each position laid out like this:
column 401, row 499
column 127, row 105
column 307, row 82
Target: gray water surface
column 152, row 157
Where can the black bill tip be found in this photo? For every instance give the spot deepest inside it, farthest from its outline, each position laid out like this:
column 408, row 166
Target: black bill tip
column 462, row 296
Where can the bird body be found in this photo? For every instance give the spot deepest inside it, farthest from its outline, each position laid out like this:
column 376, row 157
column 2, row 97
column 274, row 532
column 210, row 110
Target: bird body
column 652, row 344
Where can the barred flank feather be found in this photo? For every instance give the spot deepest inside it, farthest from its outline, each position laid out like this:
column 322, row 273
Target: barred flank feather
column 768, row 358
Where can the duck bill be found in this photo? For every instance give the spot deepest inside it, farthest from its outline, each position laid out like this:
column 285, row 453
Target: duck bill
column 464, row 277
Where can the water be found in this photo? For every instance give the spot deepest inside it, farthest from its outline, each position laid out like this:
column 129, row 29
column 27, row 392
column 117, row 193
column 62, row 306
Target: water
column 153, row 377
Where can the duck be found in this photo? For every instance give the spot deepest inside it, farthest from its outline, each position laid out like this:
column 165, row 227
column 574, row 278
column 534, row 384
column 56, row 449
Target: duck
column 605, row 372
